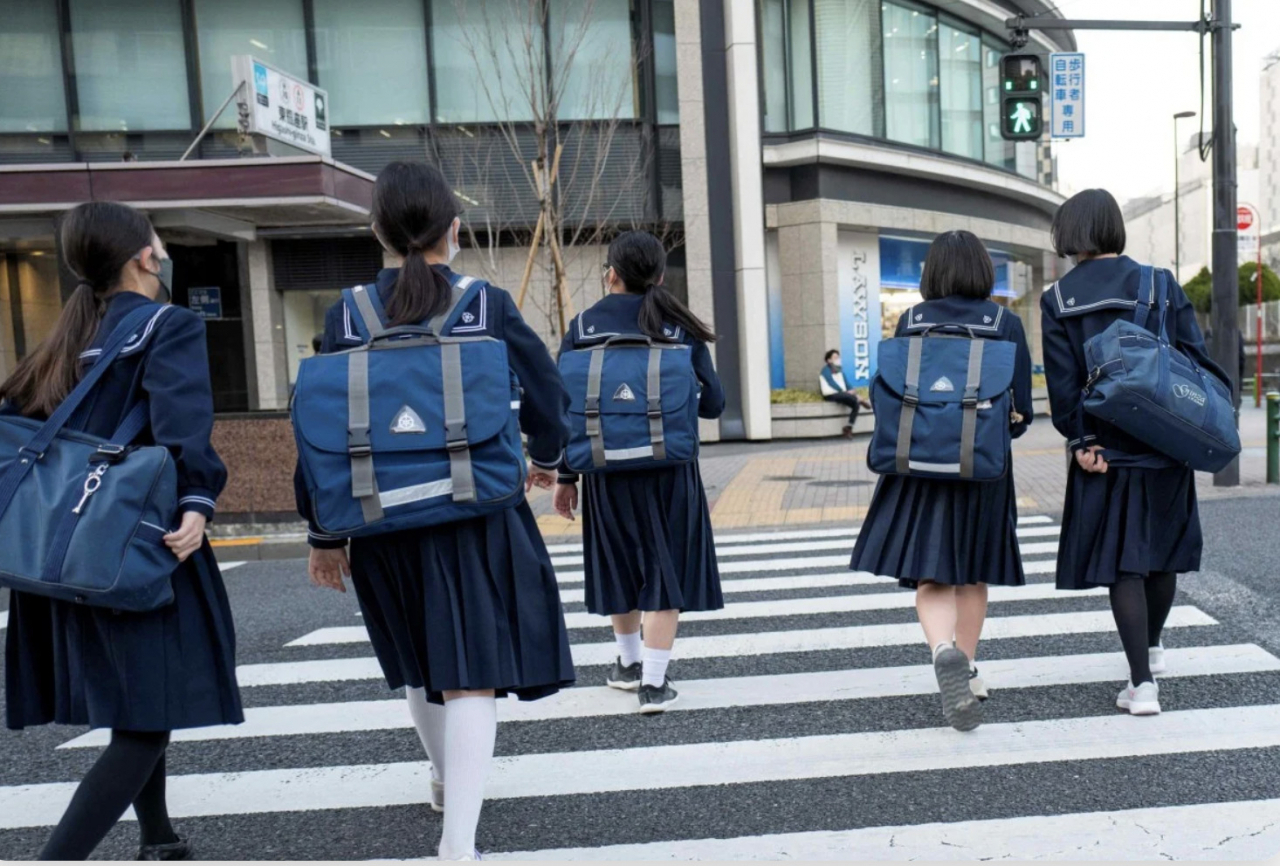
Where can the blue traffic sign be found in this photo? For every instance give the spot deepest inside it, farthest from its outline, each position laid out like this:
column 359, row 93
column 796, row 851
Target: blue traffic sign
column 1066, row 94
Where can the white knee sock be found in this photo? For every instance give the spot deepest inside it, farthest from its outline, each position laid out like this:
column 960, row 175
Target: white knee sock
column 471, row 725
column 654, row 671
column 629, row 646
column 428, row 718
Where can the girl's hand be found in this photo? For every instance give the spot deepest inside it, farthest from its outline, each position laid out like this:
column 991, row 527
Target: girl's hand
column 1091, row 460
column 327, row 567
column 566, row 500
column 187, row 538
column 543, row 479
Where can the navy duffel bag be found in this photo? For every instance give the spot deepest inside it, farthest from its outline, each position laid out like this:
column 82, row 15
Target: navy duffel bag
column 83, row 519
column 1144, row 385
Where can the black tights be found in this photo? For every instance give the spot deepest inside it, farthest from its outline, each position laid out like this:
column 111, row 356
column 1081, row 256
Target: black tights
column 129, row 771
column 1140, row 606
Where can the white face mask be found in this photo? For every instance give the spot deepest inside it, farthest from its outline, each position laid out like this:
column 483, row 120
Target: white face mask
column 452, row 247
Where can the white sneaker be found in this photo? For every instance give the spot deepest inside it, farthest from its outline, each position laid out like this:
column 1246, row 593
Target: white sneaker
column 1144, row 700
column 474, row 855
column 977, row 685
column 1156, row 654
column 437, row 795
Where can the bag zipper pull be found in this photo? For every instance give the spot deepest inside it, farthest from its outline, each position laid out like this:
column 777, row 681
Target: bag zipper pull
column 91, row 485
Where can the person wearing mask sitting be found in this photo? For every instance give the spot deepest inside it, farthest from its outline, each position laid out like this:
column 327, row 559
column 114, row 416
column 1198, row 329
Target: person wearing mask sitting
column 835, row 390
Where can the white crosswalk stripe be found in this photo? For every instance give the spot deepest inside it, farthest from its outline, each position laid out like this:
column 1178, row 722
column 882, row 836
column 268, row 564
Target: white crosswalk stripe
column 849, row 655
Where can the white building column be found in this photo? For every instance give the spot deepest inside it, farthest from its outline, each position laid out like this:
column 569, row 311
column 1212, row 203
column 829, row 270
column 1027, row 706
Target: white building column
column 264, row 329
column 748, row 215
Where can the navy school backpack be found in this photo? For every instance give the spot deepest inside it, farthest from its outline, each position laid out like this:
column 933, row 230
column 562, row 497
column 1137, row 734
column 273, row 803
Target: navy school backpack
column 83, row 519
column 1143, row 384
column 633, row 404
column 942, row 403
column 415, row 428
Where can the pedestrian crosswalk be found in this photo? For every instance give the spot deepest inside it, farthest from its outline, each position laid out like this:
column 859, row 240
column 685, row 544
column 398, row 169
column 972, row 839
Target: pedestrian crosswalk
column 808, row 728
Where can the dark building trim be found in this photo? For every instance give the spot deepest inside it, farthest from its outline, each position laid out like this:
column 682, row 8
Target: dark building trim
column 724, row 289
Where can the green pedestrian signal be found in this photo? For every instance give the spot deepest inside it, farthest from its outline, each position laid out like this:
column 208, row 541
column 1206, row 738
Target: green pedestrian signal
column 1021, row 85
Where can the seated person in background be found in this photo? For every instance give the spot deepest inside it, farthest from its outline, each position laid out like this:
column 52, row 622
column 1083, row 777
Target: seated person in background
column 835, row 390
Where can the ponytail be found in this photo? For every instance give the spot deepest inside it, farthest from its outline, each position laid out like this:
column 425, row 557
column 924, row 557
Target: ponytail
column 413, row 209
column 640, row 262
column 660, row 308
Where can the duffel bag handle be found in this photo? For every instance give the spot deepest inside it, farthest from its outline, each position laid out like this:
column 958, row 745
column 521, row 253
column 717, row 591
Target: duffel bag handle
column 628, row 340
column 402, row 331
column 948, row 328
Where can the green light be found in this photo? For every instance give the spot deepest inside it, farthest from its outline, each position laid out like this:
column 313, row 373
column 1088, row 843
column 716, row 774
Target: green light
column 1008, row 85
column 1035, row 84
column 1021, row 117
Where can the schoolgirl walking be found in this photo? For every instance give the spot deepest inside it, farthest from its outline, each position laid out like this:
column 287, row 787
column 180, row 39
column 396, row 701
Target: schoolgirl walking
column 943, row 519
column 141, row 673
column 648, row 549
column 453, row 579
column 1130, row 521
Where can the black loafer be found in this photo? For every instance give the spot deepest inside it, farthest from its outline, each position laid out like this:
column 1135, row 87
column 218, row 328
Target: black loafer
column 179, row 850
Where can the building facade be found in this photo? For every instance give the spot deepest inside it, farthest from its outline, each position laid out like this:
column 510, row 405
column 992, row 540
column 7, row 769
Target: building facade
column 797, row 154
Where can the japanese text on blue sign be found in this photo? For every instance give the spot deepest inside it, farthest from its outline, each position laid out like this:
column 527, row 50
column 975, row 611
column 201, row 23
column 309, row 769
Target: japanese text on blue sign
column 1066, row 93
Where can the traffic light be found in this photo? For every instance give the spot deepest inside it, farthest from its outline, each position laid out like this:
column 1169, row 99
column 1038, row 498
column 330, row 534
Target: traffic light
column 1021, row 90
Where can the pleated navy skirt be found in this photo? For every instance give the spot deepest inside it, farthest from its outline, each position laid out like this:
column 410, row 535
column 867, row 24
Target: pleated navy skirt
column 950, row 532
column 647, row 542
column 1127, row 521
column 157, row 671
column 472, row 605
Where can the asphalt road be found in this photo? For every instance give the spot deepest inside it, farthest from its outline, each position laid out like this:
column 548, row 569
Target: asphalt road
column 839, row 753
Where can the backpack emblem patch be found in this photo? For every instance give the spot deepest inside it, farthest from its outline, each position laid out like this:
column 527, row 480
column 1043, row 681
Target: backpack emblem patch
column 468, row 318
column 624, row 394
column 943, row 384
column 408, row 421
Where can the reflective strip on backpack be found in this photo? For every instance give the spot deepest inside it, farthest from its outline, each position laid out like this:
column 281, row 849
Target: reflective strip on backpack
column 455, row 424
column 654, row 389
column 592, row 407
column 909, row 401
column 364, row 484
column 969, row 426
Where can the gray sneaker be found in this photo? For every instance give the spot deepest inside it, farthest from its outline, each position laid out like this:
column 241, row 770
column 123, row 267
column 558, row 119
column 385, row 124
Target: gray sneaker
column 625, row 678
column 657, row 700
column 959, row 705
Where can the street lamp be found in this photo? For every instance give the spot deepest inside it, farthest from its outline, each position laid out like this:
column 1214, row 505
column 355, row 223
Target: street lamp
column 1177, row 234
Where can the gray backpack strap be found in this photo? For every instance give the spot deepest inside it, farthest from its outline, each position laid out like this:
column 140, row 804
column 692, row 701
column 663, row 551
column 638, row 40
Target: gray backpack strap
column 368, row 312
column 654, row 390
column 969, row 426
column 364, row 483
column 591, row 407
column 439, row 320
column 910, row 400
column 455, row 424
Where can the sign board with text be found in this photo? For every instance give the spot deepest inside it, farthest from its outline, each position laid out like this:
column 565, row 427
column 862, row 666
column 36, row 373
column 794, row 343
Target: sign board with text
column 279, row 106
column 205, row 301
column 1066, row 93
column 1248, row 234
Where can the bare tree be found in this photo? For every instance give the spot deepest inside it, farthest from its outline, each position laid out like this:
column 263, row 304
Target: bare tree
column 545, row 159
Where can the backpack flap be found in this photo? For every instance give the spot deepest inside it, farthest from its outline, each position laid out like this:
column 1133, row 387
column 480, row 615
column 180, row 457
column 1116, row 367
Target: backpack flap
column 942, row 375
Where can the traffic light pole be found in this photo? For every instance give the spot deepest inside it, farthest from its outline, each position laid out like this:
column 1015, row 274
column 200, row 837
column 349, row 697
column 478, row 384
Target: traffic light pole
column 1226, row 327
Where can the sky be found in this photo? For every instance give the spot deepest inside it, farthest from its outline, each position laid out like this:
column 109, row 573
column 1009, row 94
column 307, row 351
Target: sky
column 1137, row 81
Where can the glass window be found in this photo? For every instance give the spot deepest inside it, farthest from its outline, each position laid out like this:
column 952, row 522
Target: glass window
column 273, row 32
column 591, row 47
column 801, row 66
column 847, row 64
column 31, row 92
column 372, row 58
column 664, row 61
column 910, row 75
column 960, row 66
column 481, row 62
column 773, row 63
column 998, row 151
column 131, row 65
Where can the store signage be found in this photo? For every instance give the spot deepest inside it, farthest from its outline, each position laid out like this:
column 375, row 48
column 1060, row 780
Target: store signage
column 1066, row 93
column 206, row 302
column 279, row 106
column 858, row 263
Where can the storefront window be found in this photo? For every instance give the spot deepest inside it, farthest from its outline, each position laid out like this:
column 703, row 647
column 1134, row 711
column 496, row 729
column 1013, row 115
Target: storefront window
column 31, row 93
column 848, row 64
column 591, row 46
column 131, row 65
column 371, row 57
column 801, row 65
column 664, row 61
column 910, row 75
column 773, row 63
column 960, row 65
column 481, row 64
column 274, row 33
column 998, row 151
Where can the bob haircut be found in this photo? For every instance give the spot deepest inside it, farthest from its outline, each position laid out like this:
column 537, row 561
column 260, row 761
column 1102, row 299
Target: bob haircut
column 957, row 264
column 1088, row 224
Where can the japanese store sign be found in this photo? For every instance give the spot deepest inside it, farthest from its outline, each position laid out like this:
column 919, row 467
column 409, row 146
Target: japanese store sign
column 1066, row 93
column 280, row 106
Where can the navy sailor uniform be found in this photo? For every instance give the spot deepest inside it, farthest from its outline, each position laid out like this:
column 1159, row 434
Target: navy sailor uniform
column 470, row 605
column 646, row 534
column 1126, row 520
column 165, row 669
column 951, row 532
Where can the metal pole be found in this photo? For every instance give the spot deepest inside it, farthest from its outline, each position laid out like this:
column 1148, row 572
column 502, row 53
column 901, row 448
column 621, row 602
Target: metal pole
column 1177, row 189
column 1226, row 291
column 211, row 122
column 1257, row 379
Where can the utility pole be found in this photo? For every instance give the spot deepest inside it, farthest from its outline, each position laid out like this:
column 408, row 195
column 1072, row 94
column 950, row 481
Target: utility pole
column 1226, row 325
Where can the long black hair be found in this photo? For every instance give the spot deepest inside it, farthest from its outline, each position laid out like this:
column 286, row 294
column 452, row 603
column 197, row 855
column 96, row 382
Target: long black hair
column 640, row 261
column 1090, row 223
column 957, row 264
column 413, row 208
column 98, row 240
